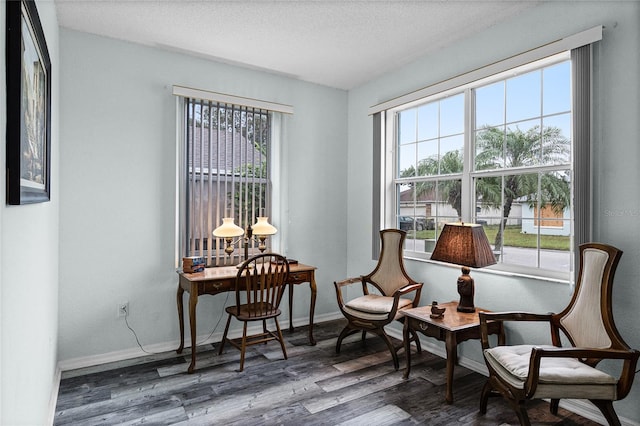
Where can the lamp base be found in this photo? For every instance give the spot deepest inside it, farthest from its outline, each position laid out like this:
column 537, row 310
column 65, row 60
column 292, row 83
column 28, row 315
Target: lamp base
column 466, row 290
column 467, row 309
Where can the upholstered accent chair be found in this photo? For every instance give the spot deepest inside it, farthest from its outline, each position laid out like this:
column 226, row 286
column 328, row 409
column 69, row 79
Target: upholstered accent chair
column 385, row 292
column 524, row 372
column 260, row 285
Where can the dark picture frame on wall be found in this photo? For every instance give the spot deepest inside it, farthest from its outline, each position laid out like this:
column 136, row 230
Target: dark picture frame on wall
column 28, row 106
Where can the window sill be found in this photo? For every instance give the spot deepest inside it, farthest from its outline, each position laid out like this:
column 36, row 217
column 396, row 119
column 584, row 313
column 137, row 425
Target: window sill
column 503, row 270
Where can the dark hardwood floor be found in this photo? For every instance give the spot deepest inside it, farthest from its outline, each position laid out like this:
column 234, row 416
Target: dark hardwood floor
column 315, row 386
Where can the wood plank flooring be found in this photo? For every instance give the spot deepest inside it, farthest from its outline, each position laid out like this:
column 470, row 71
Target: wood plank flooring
column 315, row 386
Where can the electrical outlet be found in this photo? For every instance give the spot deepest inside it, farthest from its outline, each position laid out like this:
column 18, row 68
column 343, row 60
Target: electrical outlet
column 123, row 309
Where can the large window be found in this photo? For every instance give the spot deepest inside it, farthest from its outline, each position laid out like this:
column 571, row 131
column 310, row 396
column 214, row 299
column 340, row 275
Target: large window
column 226, row 155
column 497, row 151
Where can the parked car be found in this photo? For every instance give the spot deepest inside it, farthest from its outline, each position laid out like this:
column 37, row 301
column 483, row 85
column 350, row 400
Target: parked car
column 425, row 223
column 406, row 223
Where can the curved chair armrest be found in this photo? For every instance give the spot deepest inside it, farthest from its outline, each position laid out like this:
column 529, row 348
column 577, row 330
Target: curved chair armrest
column 347, row 281
column 339, row 284
column 625, row 380
column 506, row 316
column 417, row 287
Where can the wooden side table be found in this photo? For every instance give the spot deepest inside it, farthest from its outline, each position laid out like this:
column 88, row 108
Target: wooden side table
column 452, row 328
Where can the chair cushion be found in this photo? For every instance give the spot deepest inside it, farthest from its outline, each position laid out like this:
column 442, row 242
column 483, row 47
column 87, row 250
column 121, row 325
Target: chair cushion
column 376, row 304
column 559, row 377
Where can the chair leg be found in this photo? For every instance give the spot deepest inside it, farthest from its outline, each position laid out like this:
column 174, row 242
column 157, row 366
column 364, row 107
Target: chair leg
column 553, row 406
column 521, row 412
column 280, row 338
column 346, row 331
column 224, row 335
column 606, row 407
column 484, row 397
column 243, row 346
column 392, row 349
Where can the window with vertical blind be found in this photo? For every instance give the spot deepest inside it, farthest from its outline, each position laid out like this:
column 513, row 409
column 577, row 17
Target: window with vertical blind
column 507, row 147
column 225, row 155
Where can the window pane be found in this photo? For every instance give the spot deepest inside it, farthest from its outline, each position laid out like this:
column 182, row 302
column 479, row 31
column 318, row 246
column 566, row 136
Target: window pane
column 489, row 146
column 449, row 199
column 428, row 121
column 523, row 144
column 489, row 105
column 428, row 158
column 523, row 97
column 452, row 115
column 556, row 140
column 557, row 88
column 407, row 126
column 451, row 150
column 555, row 196
column 407, row 160
column 555, row 253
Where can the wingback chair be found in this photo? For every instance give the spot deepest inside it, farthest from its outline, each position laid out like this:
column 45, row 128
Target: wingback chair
column 382, row 295
column 524, row 372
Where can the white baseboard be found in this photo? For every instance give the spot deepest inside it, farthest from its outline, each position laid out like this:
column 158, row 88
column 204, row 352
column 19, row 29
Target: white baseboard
column 135, row 352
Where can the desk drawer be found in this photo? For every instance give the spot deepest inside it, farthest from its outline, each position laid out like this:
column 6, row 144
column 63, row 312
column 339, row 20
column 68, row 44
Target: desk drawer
column 212, row 287
column 427, row 329
column 299, row 277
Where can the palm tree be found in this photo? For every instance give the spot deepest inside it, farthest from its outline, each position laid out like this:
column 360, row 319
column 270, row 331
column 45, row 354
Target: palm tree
column 515, row 149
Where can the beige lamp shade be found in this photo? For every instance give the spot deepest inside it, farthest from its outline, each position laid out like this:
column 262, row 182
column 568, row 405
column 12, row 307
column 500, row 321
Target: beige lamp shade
column 263, row 227
column 228, row 229
column 464, row 244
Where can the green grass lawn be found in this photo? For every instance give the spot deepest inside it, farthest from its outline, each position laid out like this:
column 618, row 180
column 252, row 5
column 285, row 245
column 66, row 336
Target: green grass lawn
column 513, row 237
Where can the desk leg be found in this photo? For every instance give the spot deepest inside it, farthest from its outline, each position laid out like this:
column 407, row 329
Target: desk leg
column 180, row 318
column 193, row 301
column 406, row 337
column 291, row 308
column 312, row 307
column 452, row 359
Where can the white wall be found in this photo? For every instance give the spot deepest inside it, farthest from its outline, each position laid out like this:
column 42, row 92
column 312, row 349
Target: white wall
column 118, row 133
column 29, row 271
column 617, row 108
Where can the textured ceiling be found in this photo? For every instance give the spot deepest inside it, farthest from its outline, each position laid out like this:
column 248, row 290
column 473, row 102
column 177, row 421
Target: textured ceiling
column 340, row 44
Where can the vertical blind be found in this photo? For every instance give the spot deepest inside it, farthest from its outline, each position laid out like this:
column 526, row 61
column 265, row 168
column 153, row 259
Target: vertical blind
column 226, row 164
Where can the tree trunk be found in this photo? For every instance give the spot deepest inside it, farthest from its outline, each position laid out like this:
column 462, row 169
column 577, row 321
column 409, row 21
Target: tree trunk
column 506, row 209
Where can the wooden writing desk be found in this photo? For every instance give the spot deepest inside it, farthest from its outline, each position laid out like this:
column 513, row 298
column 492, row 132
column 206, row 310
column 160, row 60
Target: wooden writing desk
column 452, row 328
column 223, row 279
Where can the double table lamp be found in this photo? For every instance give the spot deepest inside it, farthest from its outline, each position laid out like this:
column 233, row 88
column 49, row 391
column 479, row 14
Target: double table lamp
column 229, row 230
column 466, row 245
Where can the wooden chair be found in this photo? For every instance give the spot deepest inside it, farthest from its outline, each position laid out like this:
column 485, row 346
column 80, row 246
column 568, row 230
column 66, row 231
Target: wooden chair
column 524, row 372
column 372, row 312
column 260, row 285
